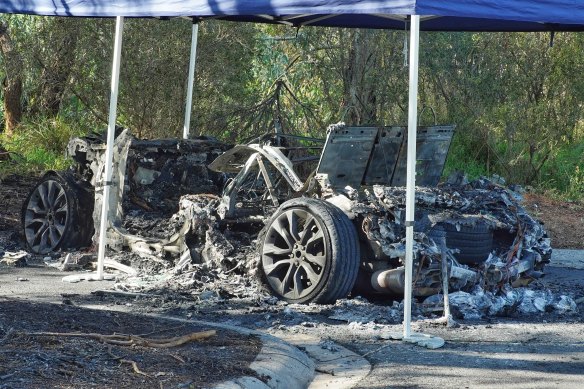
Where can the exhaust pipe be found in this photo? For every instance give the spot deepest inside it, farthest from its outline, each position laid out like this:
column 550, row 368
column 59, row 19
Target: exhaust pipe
column 392, row 280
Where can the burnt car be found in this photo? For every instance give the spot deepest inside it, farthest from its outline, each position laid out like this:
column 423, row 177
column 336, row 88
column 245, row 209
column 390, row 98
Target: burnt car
column 61, row 211
column 329, row 213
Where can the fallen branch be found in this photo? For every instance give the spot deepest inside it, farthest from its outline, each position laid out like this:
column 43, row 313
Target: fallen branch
column 111, row 354
column 132, row 340
column 180, row 340
column 178, row 358
column 134, row 366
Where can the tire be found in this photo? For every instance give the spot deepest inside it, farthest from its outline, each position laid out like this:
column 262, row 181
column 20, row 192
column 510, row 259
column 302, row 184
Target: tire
column 475, row 242
column 57, row 214
column 309, row 252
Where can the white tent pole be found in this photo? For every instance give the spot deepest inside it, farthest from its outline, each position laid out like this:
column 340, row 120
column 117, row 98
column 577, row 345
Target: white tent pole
column 191, row 81
column 111, row 129
column 411, row 169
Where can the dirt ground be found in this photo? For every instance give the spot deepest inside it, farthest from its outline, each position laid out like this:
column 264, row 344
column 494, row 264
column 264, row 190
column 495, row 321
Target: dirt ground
column 564, row 221
column 38, row 349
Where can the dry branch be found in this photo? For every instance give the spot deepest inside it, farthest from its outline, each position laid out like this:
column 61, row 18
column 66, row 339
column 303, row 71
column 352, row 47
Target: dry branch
column 134, row 366
column 133, row 340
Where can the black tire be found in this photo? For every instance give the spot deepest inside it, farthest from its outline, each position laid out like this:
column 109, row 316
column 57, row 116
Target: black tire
column 57, row 214
column 302, row 266
column 475, row 242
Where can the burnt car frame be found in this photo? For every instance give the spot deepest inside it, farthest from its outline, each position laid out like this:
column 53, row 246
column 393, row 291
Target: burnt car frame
column 326, row 231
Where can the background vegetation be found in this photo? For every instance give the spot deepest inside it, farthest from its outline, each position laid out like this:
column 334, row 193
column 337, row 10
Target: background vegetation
column 516, row 100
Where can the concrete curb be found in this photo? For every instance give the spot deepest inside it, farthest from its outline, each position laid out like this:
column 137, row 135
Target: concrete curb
column 568, row 258
column 336, row 366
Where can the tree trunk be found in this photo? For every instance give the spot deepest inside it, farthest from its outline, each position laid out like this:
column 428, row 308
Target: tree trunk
column 12, row 83
column 57, row 68
column 359, row 91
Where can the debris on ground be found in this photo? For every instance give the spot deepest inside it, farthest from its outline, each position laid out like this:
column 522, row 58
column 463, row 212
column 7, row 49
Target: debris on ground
column 64, row 346
column 360, row 310
column 480, row 304
column 222, row 264
column 183, row 246
column 15, row 258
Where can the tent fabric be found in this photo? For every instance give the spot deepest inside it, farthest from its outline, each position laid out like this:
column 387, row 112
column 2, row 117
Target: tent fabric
column 437, row 15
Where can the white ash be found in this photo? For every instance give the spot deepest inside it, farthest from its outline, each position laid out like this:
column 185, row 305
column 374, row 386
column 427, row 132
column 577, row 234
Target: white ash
column 480, row 304
column 360, row 310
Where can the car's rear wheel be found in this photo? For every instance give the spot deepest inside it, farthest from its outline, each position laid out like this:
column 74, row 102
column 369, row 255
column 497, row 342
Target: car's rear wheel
column 57, row 214
column 309, row 252
column 474, row 242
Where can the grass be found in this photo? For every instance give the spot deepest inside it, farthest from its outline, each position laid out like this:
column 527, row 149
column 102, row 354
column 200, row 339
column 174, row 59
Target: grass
column 564, row 174
column 37, row 146
column 460, row 158
column 562, row 177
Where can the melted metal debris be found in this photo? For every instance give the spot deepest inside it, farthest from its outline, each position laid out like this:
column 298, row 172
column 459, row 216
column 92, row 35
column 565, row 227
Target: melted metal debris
column 479, row 303
column 217, row 261
column 522, row 247
column 222, row 262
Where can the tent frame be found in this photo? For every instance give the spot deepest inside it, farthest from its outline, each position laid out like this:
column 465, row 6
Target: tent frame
column 411, row 170
column 411, row 150
column 191, row 80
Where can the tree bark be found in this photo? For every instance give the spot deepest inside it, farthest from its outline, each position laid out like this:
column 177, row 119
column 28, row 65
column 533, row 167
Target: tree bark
column 12, row 83
column 57, row 69
column 359, row 90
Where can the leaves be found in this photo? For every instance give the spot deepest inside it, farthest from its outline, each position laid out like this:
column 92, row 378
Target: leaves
column 515, row 100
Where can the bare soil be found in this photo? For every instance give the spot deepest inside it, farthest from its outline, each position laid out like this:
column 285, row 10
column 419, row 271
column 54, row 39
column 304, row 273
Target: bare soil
column 30, row 360
column 563, row 221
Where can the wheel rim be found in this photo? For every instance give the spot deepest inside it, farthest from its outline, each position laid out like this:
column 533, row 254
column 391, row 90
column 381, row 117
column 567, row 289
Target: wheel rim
column 294, row 253
column 46, row 217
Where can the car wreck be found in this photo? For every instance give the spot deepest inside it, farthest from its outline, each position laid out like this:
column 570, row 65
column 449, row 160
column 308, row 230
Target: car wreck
column 325, row 216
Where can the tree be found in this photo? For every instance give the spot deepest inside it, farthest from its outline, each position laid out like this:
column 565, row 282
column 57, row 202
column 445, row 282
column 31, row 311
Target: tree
column 12, row 82
column 55, row 54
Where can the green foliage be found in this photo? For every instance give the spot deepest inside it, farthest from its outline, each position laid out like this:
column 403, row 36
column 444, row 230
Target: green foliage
column 38, row 145
column 575, row 189
column 460, row 159
column 564, row 174
column 516, row 102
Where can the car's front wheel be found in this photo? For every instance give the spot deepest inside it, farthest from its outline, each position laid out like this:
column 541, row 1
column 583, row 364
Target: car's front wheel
column 309, row 252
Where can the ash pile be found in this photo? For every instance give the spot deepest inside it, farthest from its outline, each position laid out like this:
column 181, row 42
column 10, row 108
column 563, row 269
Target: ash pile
column 493, row 247
column 219, row 262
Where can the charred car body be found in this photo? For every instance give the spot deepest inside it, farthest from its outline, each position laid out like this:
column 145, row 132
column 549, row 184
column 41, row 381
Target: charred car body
column 323, row 232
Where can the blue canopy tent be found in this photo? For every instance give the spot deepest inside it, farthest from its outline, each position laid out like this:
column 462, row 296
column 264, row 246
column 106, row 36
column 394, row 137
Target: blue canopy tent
column 414, row 15
column 445, row 15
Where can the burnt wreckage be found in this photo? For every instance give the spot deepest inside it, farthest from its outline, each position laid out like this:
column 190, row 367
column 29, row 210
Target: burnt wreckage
column 322, row 232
